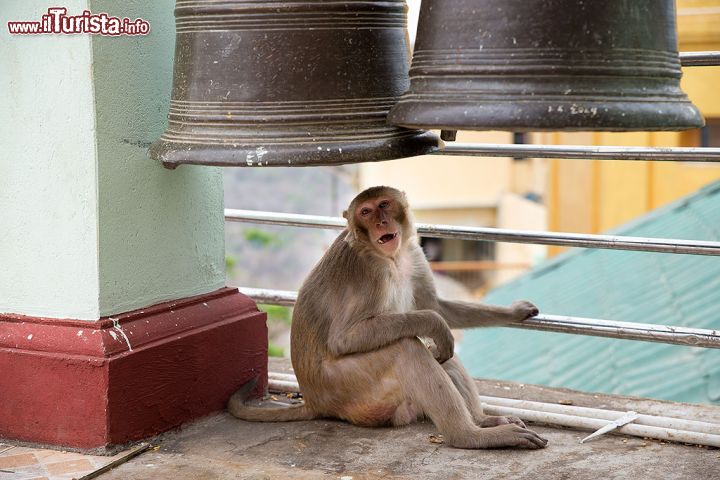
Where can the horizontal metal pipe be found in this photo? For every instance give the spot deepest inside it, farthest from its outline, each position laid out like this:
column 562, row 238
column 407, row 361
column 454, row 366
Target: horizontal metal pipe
column 284, row 298
column 648, row 332
column 693, row 337
column 700, row 59
column 591, row 152
column 661, row 245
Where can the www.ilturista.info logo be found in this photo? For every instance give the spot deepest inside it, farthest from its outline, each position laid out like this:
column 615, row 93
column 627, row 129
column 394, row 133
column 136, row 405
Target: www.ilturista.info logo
column 58, row 21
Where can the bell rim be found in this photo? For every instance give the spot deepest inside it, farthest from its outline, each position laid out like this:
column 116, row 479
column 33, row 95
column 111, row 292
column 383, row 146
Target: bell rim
column 545, row 116
column 326, row 153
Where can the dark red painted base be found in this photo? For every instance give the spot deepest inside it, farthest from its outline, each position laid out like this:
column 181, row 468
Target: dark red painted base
column 89, row 384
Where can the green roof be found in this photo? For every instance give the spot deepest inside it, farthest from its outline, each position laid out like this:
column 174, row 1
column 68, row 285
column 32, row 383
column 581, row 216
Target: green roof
column 644, row 287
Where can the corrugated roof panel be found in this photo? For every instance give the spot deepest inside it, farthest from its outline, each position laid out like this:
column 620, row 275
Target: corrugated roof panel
column 616, row 285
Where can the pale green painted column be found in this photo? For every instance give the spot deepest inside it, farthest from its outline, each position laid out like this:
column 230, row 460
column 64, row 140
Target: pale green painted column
column 160, row 231
column 91, row 226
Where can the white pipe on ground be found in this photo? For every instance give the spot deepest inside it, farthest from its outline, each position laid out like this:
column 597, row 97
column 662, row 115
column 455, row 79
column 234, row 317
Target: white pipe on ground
column 277, row 385
column 288, row 377
column 649, row 420
column 650, row 426
column 645, row 431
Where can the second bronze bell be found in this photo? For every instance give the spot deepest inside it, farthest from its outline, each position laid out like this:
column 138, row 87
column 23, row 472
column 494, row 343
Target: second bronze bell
column 525, row 65
column 288, row 84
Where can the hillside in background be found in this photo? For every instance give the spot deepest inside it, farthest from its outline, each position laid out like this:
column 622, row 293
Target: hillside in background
column 265, row 256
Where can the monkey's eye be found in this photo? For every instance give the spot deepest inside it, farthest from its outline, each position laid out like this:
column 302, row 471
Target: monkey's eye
column 364, row 211
column 384, row 204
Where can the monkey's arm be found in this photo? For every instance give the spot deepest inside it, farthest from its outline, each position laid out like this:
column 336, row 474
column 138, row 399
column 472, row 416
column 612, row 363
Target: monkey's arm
column 459, row 314
column 375, row 332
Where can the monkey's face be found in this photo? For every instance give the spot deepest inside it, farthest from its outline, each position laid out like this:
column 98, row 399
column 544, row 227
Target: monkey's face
column 378, row 217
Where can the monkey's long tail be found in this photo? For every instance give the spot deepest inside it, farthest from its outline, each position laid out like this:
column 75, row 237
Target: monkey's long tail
column 237, row 407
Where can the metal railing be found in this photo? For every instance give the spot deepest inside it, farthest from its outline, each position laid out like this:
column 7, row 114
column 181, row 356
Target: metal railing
column 700, row 59
column 694, row 337
column 612, row 242
column 589, row 152
column 555, row 323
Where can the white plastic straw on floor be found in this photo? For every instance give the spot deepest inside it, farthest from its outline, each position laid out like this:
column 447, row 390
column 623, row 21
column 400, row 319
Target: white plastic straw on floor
column 650, row 426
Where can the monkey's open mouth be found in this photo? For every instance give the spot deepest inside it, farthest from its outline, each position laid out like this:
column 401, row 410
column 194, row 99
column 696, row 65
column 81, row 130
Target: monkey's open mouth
column 387, row 238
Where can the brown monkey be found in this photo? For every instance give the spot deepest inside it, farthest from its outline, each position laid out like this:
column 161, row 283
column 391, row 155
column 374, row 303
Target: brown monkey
column 356, row 330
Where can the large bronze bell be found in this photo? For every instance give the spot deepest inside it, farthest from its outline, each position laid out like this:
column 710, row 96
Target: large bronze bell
column 526, row 65
column 288, row 84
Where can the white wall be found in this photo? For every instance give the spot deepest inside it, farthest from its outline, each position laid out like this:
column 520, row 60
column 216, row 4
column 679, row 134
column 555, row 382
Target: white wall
column 516, row 212
column 48, row 197
column 443, row 182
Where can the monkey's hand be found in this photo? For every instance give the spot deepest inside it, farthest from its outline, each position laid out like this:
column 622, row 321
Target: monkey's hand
column 444, row 344
column 522, row 310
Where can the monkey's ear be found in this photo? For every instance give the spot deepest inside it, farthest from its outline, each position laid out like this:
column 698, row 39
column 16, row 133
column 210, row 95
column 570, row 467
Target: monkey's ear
column 345, row 214
column 350, row 237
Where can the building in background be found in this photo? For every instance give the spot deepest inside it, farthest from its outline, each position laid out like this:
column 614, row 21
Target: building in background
column 630, row 286
column 593, row 196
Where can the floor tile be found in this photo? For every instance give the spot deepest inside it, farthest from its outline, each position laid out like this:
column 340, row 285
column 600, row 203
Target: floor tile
column 70, row 466
column 24, row 473
column 26, row 463
column 21, row 460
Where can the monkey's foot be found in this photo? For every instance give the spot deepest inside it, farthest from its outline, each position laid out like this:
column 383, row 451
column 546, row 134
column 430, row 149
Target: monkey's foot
column 523, row 309
column 494, row 421
column 508, row 435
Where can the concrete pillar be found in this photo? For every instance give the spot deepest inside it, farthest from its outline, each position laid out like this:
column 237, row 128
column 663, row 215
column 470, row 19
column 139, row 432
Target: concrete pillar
column 114, row 323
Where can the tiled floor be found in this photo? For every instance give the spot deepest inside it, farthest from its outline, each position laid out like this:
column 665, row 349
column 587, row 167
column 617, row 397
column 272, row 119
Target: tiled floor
column 23, row 463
